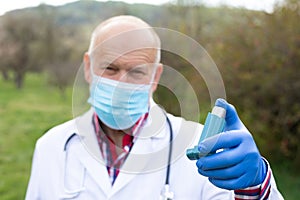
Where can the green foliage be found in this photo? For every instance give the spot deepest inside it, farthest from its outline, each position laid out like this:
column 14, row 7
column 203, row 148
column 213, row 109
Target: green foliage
column 259, row 58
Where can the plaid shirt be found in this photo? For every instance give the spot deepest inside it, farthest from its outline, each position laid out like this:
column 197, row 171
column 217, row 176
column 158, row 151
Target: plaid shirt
column 113, row 159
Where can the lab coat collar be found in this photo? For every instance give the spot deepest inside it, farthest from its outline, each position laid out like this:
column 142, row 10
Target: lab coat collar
column 89, row 154
column 91, row 158
column 81, row 126
column 154, row 131
column 155, row 123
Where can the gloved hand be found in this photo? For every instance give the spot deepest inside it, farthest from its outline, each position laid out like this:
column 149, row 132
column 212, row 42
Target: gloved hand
column 239, row 165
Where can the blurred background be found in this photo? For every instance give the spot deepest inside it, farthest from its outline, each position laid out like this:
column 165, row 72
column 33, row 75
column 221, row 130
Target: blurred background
column 256, row 51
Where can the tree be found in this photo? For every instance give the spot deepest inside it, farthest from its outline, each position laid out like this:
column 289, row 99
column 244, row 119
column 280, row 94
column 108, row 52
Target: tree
column 19, row 36
column 282, row 30
column 260, row 59
column 4, row 51
column 62, row 50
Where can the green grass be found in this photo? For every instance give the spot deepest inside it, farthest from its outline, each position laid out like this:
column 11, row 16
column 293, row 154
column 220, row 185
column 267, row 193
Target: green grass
column 26, row 114
column 287, row 182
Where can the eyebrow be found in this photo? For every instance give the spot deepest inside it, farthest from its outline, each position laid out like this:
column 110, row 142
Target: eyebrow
column 112, row 65
column 131, row 68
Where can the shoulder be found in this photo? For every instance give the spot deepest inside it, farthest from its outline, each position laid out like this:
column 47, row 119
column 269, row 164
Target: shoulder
column 59, row 135
column 65, row 130
column 56, row 136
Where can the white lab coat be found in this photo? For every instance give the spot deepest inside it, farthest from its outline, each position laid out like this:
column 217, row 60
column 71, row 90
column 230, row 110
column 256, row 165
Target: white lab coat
column 67, row 164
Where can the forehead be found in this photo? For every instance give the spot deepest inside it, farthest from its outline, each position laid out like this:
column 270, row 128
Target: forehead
column 122, row 38
column 138, row 58
column 120, row 30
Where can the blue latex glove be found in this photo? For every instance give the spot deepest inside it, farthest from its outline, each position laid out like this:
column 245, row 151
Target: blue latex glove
column 239, row 165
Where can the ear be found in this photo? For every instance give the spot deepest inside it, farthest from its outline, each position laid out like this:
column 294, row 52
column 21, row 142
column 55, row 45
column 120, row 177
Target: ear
column 87, row 67
column 159, row 70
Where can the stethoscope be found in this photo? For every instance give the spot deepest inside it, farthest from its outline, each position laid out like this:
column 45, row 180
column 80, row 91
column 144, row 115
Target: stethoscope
column 70, row 193
column 165, row 194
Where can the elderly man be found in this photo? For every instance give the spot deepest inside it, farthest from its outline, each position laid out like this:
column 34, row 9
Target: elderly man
column 126, row 147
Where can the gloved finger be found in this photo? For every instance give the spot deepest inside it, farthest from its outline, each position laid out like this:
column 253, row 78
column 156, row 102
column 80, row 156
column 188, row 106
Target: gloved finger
column 232, row 119
column 232, row 184
column 224, row 159
column 225, row 140
column 231, row 172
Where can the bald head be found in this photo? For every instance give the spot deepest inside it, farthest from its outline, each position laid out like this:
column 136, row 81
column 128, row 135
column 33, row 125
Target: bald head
column 129, row 32
column 124, row 48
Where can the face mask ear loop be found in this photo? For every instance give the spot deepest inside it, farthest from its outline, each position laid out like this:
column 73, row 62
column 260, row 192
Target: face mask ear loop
column 91, row 67
column 152, row 79
column 95, row 78
column 156, row 63
column 154, row 72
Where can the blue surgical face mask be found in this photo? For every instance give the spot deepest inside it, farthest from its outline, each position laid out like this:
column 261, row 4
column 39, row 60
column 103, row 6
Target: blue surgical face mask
column 119, row 105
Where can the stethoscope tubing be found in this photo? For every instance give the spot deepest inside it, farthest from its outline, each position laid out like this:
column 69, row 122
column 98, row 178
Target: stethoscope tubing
column 167, row 182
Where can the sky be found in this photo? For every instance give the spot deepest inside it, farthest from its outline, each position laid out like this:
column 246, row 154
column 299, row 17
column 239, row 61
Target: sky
column 250, row 4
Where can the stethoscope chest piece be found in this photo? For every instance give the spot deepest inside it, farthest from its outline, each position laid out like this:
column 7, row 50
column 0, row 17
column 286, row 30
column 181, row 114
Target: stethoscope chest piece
column 166, row 194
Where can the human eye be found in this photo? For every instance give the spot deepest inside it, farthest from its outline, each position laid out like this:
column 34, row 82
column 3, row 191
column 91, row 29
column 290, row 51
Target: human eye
column 138, row 72
column 110, row 69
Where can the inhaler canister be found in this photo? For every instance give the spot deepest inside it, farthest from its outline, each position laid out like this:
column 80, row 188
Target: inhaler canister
column 214, row 124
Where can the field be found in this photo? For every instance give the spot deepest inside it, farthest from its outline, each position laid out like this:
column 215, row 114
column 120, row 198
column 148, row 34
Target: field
column 26, row 114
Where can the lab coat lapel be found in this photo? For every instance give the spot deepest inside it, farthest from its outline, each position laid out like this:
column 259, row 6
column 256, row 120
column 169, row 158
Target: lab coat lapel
column 142, row 151
column 134, row 164
column 96, row 170
column 89, row 154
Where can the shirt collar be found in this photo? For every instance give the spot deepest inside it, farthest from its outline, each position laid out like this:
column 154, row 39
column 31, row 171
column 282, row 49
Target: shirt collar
column 134, row 131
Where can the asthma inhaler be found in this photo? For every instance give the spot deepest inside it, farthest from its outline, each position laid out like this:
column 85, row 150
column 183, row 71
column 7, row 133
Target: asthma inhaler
column 214, row 124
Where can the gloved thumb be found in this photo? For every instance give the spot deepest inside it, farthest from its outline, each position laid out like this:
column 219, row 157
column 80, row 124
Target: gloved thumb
column 232, row 119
